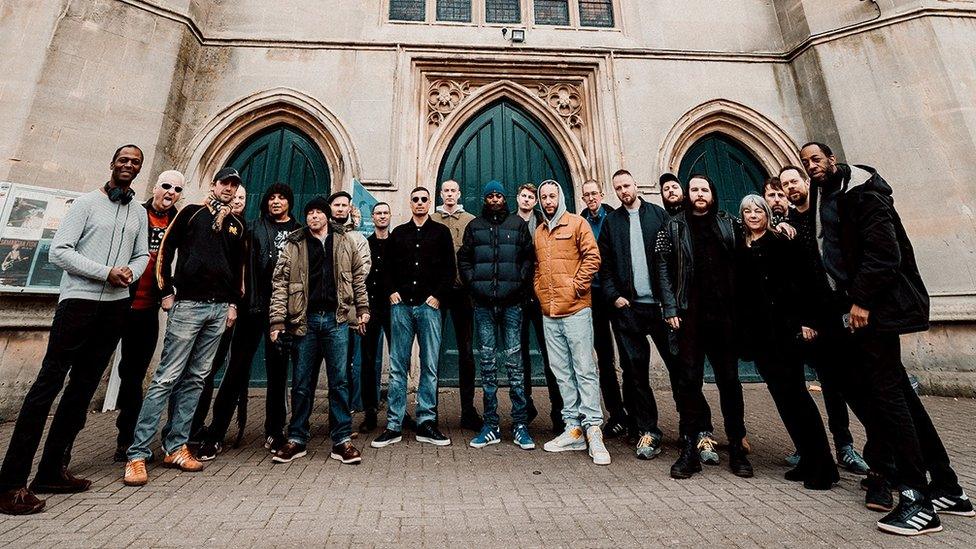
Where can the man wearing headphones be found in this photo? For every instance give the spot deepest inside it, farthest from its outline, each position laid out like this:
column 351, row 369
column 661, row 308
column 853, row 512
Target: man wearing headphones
column 102, row 245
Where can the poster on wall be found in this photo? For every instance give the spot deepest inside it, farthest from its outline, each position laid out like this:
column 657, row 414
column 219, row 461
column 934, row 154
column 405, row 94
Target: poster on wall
column 29, row 217
column 364, row 201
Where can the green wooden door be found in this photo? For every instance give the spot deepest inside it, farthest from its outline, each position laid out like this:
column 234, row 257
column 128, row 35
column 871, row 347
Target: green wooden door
column 506, row 143
column 735, row 173
column 283, row 154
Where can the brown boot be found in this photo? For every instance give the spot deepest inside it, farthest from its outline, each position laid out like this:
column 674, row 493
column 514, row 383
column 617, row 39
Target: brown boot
column 183, row 460
column 61, row 483
column 346, row 453
column 135, row 473
column 20, row 502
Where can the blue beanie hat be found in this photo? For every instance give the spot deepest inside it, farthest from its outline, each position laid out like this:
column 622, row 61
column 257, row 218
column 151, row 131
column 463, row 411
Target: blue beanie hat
column 494, row 186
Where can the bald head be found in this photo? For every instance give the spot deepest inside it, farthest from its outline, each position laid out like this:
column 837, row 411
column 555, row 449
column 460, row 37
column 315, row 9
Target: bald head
column 168, row 189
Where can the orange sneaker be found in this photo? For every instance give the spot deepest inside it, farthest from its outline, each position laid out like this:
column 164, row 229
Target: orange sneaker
column 135, row 473
column 183, row 460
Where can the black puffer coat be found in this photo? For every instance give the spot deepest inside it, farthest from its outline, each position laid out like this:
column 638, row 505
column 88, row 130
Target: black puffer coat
column 495, row 259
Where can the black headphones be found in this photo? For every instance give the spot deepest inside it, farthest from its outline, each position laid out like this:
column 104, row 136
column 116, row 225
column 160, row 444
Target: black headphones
column 120, row 195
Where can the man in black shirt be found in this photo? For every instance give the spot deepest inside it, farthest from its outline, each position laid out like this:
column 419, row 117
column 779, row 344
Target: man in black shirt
column 802, row 217
column 422, row 268
column 671, row 193
column 379, row 308
column 694, row 259
column 202, row 301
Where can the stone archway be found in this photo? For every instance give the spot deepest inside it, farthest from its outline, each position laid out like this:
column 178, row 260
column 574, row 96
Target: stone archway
column 765, row 140
column 213, row 146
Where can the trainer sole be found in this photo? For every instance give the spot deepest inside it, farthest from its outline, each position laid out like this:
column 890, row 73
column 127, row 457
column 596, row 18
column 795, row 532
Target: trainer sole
column 579, row 448
column 880, row 508
column 385, row 443
column 434, row 441
column 279, row 459
column 474, row 444
column 530, row 446
column 656, row 452
column 353, row 461
column 908, row 531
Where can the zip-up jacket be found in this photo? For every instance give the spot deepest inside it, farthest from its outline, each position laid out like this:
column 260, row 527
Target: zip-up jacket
column 616, row 267
column 495, row 259
column 674, row 258
column 210, row 266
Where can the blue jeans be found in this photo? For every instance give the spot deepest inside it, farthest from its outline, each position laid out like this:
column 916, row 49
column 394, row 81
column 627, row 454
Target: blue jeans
column 193, row 333
column 489, row 321
column 408, row 321
column 329, row 340
column 569, row 341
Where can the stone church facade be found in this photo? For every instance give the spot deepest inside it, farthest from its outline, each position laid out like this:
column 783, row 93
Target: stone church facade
column 399, row 93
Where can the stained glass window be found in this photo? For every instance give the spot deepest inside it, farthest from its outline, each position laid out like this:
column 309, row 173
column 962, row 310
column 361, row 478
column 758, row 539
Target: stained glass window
column 454, row 10
column 596, row 13
column 552, row 12
column 503, row 11
column 408, row 10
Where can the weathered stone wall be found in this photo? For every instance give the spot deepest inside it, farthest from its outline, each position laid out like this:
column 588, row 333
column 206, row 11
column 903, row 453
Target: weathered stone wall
column 177, row 76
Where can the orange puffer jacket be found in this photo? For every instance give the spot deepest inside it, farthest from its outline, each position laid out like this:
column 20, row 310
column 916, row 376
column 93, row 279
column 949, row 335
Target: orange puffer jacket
column 566, row 260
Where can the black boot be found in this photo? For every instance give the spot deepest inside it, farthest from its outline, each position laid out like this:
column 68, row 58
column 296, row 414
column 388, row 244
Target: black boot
column 688, row 463
column 738, row 462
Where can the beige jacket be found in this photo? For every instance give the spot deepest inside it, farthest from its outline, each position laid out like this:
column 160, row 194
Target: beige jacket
column 456, row 222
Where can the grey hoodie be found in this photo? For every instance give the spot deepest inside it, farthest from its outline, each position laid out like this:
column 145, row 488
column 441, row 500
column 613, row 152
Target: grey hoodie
column 551, row 222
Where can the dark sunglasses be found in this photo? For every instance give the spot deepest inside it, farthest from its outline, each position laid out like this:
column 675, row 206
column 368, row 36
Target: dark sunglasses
column 168, row 186
column 417, row 199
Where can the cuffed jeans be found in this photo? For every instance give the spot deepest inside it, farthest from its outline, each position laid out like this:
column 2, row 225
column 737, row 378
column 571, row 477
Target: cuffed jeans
column 408, row 321
column 506, row 322
column 326, row 339
column 193, row 332
column 569, row 340
column 83, row 335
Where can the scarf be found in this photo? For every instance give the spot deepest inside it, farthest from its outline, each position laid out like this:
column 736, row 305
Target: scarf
column 220, row 210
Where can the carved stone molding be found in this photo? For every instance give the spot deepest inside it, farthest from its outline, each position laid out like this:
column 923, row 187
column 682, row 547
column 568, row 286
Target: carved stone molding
column 445, row 95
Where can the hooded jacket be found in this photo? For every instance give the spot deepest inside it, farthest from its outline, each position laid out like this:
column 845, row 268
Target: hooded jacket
column 674, row 257
column 495, row 259
column 290, row 293
column 882, row 274
column 567, row 258
column 266, row 238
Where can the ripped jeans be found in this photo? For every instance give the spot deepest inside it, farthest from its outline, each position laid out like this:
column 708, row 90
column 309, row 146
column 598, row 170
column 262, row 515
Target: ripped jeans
column 501, row 327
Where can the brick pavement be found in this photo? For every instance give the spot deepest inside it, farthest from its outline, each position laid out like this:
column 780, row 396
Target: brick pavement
column 418, row 495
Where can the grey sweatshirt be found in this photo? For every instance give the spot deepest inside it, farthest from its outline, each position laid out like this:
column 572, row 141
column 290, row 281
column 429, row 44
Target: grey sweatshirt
column 95, row 235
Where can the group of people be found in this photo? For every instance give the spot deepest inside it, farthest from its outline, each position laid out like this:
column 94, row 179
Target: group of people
column 817, row 270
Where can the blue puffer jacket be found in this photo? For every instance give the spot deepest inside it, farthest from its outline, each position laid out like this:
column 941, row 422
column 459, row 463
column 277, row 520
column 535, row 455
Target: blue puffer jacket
column 495, row 259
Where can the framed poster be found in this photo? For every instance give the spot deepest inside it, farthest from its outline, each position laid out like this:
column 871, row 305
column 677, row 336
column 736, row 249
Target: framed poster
column 29, row 217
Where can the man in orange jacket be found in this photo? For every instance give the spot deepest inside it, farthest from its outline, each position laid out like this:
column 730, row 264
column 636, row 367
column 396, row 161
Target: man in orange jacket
column 567, row 257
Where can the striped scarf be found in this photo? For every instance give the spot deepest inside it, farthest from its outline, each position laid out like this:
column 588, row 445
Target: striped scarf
column 220, row 210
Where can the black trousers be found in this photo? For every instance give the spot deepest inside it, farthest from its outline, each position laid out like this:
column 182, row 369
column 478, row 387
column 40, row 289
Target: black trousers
column 606, row 365
column 532, row 320
column 633, row 324
column 832, row 389
column 138, row 346
column 83, row 336
column 372, row 356
column 462, row 315
column 897, row 414
column 780, row 363
column 702, row 335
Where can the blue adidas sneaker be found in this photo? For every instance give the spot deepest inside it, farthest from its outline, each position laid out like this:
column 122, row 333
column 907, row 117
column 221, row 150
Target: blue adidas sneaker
column 488, row 435
column 520, row 436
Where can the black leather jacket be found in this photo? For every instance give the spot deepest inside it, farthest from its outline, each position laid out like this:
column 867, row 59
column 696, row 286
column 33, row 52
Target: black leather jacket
column 674, row 258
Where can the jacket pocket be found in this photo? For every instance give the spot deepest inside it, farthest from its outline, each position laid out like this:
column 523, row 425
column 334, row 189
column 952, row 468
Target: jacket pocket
column 296, row 302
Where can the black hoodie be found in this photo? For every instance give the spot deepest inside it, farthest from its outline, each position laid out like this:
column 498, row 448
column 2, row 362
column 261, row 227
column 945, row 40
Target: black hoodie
column 266, row 237
column 878, row 259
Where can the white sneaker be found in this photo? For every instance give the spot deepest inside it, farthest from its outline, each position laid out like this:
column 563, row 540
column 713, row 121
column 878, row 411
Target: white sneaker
column 570, row 439
column 598, row 450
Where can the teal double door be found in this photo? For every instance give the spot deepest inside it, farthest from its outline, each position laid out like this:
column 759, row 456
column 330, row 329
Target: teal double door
column 504, row 143
column 286, row 155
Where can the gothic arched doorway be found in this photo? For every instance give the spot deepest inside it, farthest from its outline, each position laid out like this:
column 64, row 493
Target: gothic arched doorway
column 733, row 169
column 506, row 143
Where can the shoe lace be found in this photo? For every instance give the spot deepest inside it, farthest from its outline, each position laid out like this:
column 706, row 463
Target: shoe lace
column 706, row 444
column 646, row 441
column 182, row 456
column 20, row 496
column 136, row 467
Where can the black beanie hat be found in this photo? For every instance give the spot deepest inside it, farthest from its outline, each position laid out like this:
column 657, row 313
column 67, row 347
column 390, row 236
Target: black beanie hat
column 338, row 194
column 318, row 203
column 668, row 177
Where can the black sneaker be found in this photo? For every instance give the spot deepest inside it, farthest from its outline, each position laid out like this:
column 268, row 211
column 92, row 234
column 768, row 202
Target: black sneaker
column 208, row 450
column 688, row 463
column 960, row 505
column 738, row 462
column 470, row 420
column 614, row 428
column 386, row 438
column 878, row 495
column 912, row 517
column 274, row 443
column 427, row 432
